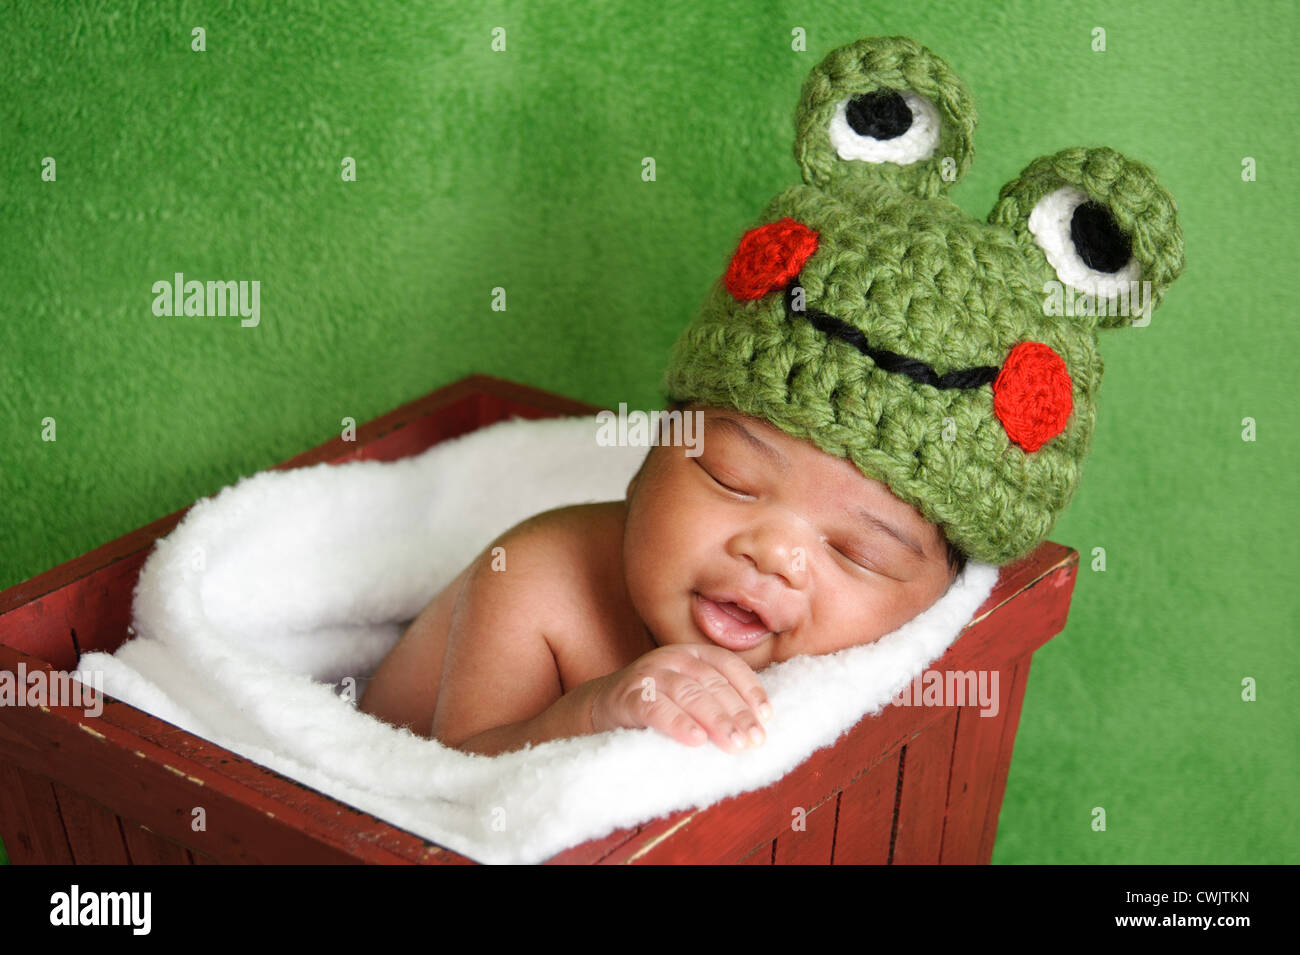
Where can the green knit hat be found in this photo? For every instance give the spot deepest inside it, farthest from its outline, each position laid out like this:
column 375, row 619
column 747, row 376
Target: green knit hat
column 953, row 360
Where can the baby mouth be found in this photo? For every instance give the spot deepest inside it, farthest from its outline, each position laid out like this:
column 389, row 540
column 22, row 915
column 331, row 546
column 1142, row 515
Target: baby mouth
column 728, row 623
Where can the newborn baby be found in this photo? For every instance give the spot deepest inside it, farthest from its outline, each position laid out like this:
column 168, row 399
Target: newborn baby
column 882, row 376
column 656, row 611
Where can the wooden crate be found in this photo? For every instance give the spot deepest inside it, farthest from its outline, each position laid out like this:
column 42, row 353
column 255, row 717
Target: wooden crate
column 913, row 785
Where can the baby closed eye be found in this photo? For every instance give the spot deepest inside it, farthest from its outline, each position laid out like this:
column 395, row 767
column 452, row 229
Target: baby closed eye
column 854, row 558
column 723, row 483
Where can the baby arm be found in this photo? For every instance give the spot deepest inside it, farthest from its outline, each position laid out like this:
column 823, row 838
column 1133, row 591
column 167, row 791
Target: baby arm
column 501, row 687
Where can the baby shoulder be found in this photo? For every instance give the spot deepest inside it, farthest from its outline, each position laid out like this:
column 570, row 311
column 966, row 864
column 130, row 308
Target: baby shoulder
column 562, row 541
column 553, row 562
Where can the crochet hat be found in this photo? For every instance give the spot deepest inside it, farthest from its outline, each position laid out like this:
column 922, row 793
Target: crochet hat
column 953, row 360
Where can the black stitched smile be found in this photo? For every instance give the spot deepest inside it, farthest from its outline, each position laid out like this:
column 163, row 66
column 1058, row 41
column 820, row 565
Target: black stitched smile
column 915, row 369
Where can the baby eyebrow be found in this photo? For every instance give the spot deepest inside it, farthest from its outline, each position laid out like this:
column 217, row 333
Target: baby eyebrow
column 763, row 448
column 873, row 521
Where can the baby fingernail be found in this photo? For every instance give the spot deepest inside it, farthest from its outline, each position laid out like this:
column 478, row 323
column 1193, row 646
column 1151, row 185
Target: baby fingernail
column 764, row 711
column 756, row 735
column 737, row 739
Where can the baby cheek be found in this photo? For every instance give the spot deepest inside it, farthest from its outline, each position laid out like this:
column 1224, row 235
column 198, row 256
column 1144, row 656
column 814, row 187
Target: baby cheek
column 850, row 613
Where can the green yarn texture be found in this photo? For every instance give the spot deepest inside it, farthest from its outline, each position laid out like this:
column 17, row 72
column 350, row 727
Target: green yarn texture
column 900, row 263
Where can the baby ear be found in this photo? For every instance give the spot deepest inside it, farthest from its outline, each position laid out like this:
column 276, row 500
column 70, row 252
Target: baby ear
column 1097, row 222
column 884, row 109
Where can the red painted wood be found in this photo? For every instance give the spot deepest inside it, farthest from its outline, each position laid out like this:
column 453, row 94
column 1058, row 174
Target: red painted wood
column 93, row 833
column 865, row 825
column 1028, row 606
column 30, row 824
column 727, row 830
column 970, row 785
column 89, row 614
column 349, row 828
column 594, row 851
column 924, row 796
column 1003, row 764
column 762, row 855
column 813, row 844
column 134, row 778
column 148, row 848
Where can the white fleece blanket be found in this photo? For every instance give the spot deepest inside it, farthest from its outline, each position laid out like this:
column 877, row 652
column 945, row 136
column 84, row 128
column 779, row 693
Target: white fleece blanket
column 252, row 615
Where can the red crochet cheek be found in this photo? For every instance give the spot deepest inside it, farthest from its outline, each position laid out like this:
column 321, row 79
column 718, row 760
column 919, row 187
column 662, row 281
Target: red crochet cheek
column 768, row 258
column 1031, row 395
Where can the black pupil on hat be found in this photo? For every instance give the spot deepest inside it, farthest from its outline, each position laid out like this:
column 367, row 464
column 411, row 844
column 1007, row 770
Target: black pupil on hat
column 1098, row 240
column 881, row 114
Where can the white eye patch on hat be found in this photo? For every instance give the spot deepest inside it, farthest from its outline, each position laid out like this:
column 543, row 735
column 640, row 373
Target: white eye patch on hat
column 898, row 126
column 1082, row 243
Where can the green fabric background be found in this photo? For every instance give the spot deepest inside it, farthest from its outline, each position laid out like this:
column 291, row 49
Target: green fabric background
column 522, row 169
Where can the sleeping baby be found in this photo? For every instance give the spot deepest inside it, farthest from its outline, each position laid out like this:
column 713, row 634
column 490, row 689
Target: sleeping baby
column 885, row 389
column 656, row 611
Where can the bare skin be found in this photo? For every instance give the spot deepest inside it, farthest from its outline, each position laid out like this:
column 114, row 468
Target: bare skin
column 656, row 611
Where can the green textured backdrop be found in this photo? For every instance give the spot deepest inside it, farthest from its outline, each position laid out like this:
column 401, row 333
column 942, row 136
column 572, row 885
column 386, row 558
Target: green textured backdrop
column 522, row 169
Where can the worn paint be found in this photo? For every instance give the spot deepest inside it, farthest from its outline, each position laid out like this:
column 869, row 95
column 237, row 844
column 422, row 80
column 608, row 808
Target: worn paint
column 184, row 775
column 658, row 839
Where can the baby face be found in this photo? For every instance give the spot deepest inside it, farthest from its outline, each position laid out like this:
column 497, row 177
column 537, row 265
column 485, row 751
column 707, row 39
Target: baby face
column 769, row 547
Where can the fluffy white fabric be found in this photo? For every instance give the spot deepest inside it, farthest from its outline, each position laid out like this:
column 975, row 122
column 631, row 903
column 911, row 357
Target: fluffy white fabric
column 267, row 595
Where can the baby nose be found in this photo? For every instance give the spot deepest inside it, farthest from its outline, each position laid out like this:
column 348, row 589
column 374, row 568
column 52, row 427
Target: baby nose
column 768, row 258
column 774, row 549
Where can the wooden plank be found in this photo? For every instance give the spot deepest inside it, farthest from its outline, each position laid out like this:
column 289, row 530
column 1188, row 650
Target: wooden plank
column 924, row 795
column 350, row 828
column 134, row 778
column 828, row 771
column 1014, row 702
column 93, row 833
column 30, row 823
column 815, row 842
column 760, row 855
column 89, row 614
column 148, row 848
column 970, row 785
column 723, row 832
column 1029, row 605
column 594, row 851
column 865, row 824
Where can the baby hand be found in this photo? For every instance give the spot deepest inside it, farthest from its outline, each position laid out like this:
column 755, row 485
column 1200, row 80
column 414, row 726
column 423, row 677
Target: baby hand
column 690, row 692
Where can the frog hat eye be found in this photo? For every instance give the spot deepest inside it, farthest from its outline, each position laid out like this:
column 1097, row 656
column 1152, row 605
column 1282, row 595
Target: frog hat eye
column 885, row 126
column 1083, row 243
column 1098, row 222
column 884, row 110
